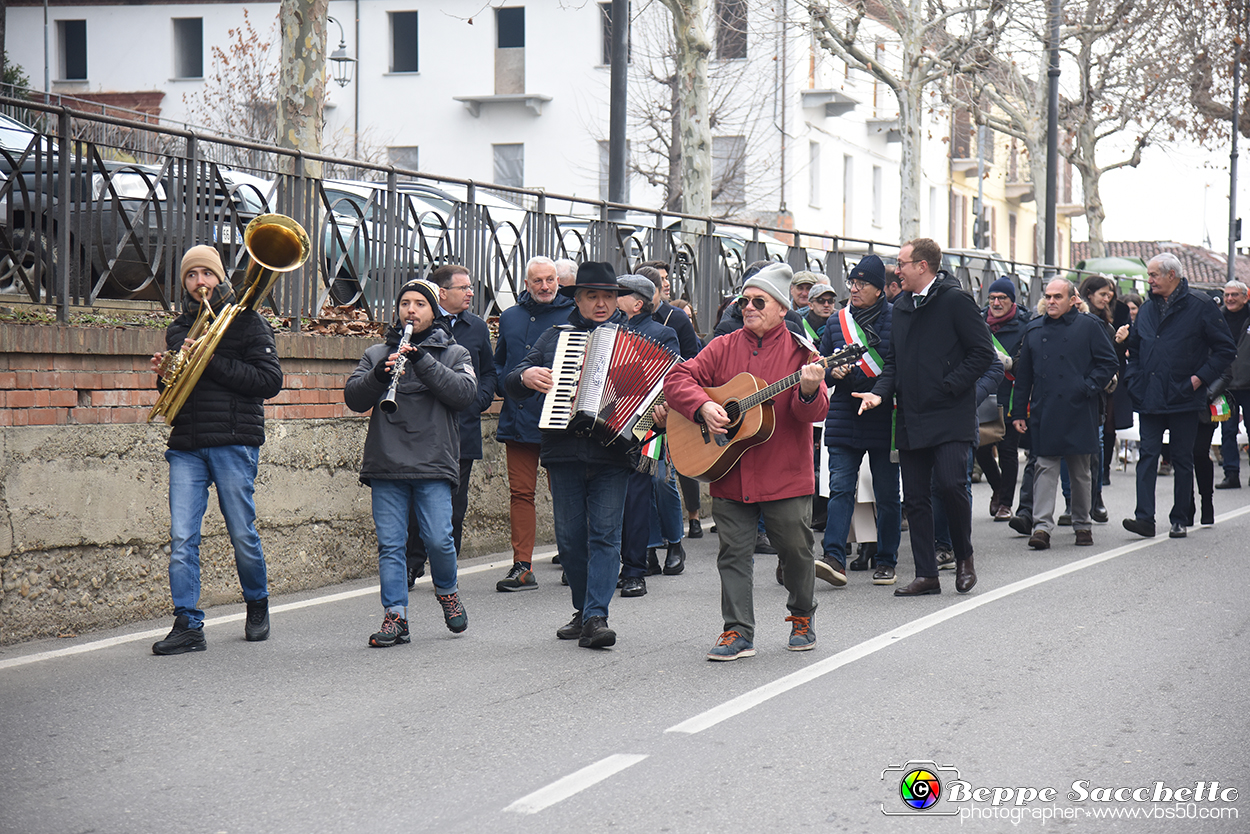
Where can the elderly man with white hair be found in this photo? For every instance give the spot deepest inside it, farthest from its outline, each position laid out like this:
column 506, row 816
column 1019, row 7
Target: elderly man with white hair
column 1178, row 345
column 1237, row 317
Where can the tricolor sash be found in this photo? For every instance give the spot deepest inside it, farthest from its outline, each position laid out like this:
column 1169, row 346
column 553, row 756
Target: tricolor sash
column 870, row 363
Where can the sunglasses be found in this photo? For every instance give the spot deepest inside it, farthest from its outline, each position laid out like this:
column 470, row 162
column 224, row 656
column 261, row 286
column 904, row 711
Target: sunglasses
column 756, row 302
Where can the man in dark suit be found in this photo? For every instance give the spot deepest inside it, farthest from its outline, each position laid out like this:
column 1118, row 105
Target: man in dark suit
column 939, row 348
column 455, row 296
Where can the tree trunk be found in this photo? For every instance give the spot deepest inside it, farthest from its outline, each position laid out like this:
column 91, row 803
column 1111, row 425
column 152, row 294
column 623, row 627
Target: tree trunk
column 693, row 49
column 302, row 79
column 911, row 125
column 1095, row 213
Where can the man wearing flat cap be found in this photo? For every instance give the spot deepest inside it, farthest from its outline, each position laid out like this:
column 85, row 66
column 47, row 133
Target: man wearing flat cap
column 216, row 439
column 774, row 480
column 588, row 479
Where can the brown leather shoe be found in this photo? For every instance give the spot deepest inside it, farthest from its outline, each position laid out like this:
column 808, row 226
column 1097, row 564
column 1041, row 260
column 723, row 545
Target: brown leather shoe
column 1084, row 538
column 1040, row 540
column 920, row 586
column 965, row 575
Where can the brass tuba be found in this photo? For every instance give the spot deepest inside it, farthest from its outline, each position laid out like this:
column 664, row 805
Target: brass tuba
column 275, row 244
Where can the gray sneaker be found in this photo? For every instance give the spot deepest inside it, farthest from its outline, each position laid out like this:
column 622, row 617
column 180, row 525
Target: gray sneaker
column 520, row 578
column 802, row 635
column 945, row 560
column 731, row 646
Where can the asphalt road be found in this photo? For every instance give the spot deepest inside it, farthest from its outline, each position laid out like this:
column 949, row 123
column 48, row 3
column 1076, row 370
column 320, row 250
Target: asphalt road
column 1120, row 666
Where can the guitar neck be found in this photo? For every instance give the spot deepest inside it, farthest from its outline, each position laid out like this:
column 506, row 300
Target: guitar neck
column 845, row 356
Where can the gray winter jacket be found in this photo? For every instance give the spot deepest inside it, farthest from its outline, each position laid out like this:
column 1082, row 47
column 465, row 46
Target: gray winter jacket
column 420, row 440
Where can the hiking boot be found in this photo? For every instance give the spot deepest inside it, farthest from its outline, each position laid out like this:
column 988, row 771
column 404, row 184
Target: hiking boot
column 596, row 634
column 394, row 630
column 675, row 560
column 571, row 630
column 256, row 627
column 802, row 636
column 453, row 612
column 945, row 560
column 520, row 578
column 731, row 646
column 181, row 638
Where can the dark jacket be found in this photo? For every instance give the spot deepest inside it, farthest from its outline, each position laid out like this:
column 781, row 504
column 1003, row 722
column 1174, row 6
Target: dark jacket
column 420, row 440
column 1063, row 367
column 665, row 336
column 227, row 405
column 845, row 426
column 1008, row 336
column 1165, row 349
column 671, row 317
column 938, row 350
column 564, row 446
column 520, row 326
column 471, row 333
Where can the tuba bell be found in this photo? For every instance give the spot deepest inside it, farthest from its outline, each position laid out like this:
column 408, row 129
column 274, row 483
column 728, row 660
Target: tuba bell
column 275, row 244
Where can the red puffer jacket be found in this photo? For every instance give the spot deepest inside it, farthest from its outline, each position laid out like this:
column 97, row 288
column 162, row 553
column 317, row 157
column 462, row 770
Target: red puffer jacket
column 781, row 467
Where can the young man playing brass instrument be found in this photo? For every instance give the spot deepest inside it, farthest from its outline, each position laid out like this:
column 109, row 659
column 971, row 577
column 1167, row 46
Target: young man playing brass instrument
column 216, row 439
column 412, row 452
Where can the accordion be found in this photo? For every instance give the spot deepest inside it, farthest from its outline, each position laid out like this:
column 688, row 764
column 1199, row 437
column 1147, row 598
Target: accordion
column 606, row 383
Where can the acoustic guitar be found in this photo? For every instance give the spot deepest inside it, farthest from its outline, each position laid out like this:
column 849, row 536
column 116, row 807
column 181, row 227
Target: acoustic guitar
column 699, row 454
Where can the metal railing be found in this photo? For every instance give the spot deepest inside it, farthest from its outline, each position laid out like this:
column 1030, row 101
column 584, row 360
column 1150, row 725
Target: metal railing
column 111, row 218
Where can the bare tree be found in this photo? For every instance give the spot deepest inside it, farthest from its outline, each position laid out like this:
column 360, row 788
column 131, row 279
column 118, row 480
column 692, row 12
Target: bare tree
column 937, row 39
column 691, row 57
column 302, row 82
column 1213, row 34
column 240, row 89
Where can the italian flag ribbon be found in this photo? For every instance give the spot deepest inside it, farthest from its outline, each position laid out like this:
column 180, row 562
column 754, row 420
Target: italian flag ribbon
column 870, row 363
column 1220, row 410
column 811, row 331
column 653, row 445
column 1003, row 355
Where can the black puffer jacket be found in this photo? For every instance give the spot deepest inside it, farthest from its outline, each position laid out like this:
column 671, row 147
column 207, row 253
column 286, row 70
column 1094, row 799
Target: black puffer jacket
column 227, row 405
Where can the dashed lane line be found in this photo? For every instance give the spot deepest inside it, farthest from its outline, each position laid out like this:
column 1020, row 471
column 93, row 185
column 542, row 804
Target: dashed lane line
column 562, row 789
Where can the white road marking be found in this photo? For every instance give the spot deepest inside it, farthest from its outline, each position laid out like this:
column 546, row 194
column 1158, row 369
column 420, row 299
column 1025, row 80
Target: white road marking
column 562, row 789
column 755, row 697
column 151, row 634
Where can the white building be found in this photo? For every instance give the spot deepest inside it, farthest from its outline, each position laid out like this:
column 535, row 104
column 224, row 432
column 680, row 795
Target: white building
column 519, row 95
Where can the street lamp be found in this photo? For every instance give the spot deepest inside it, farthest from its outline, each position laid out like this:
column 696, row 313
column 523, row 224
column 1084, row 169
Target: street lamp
column 343, row 63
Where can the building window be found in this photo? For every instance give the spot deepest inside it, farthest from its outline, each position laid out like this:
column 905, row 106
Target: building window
column 606, row 56
column 509, row 165
column 729, row 183
column 403, row 41
column 403, row 157
column 731, row 29
column 813, row 174
column 848, row 189
column 188, row 47
column 604, row 161
column 72, row 39
column 877, row 196
column 510, row 28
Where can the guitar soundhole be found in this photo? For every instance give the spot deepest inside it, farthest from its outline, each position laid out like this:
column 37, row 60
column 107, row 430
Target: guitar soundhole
column 734, row 412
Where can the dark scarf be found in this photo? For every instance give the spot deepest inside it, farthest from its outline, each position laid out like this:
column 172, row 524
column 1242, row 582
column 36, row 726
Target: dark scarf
column 866, row 317
column 996, row 322
column 221, row 295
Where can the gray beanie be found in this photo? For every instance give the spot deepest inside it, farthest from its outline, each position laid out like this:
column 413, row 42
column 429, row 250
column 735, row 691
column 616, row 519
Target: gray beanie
column 773, row 279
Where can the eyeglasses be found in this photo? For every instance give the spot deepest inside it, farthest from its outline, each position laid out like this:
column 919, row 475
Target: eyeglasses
column 757, row 302
column 857, row 284
column 901, row 262
column 462, row 287
column 998, row 297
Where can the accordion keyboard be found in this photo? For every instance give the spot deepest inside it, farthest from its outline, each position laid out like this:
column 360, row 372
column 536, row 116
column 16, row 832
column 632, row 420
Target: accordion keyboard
column 566, row 369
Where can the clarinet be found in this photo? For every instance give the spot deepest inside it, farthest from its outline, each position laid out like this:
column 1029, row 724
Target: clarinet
column 388, row 404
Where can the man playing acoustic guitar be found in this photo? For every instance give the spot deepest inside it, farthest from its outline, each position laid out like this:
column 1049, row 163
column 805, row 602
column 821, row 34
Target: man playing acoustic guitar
column 774, row 479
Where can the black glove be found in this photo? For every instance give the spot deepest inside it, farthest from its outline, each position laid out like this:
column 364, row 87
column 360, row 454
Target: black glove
column 381, row 373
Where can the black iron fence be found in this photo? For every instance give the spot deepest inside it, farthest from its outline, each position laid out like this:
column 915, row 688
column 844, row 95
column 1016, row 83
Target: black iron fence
column 94, row 206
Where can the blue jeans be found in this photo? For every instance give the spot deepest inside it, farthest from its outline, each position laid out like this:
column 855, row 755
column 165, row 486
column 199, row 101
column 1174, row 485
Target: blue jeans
column 667, row 524
column 233, row 470
column 430, row 502
column 843, row 483
column 588, row 505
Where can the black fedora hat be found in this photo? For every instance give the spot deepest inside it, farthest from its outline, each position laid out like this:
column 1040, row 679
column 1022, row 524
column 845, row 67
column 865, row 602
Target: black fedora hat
column 595, row 275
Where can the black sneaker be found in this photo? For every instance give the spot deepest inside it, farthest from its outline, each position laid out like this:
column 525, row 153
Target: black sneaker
column 520, row 578
column 453, row 612
column 696, row 529
column 394, row 630
column 596, row 634
column 256, row 627
column 181, row 638
column 416, row 570
column 573, row 629
column 555, row 560
column 764, row 546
